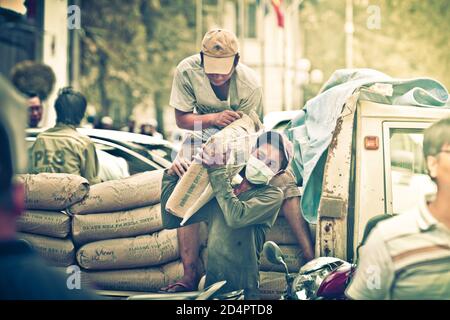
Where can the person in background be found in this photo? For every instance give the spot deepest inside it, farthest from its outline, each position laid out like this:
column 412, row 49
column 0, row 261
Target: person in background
column 90, row 122
column 36, row 81
column 23, row 274
column 149, row 128
column 408, row 256
column 62, row 148
column 106, row 123
column 131, row 125
column 35, row 110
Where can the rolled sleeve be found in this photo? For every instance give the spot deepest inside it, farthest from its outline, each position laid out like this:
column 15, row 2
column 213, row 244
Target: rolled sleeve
column 182, row 96
column 375, row 272
column 287, row 183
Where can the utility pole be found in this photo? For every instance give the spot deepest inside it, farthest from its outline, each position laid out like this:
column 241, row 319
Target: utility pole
column 296, row 47
column 242, row 24
column 75, row 54
column 292, row 20
column 199, row 23
column 349, row 29
column 283, row 66
column 262, row 46
column 221, row 12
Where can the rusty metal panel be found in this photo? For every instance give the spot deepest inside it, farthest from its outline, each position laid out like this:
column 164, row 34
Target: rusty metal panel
column 333, row 207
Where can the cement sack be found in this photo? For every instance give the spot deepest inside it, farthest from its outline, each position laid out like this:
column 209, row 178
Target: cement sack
column 121, row 224
column 53, row 191
column 194, row 190
column 139, row 190
column 272, row 285
column 142, row 279
column 47, row 223
column 57, row 252
column 142, row 251
column 281, row 232
column 66, row 272
column 292, row 257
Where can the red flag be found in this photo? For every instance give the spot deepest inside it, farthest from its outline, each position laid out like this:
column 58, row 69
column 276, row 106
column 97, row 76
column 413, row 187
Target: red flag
column 280, row 16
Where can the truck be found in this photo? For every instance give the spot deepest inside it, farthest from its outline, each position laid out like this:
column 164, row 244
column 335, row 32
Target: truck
column 374, row 166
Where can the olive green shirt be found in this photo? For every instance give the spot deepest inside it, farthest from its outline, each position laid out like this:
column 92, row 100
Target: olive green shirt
column 62, row 149
column 237, row 232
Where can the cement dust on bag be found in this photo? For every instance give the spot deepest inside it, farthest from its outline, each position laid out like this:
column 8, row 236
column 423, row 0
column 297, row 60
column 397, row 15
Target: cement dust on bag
column 136, row 191
column 124, row 253
column 119, row 224
column 45, row 223
column 53, row 191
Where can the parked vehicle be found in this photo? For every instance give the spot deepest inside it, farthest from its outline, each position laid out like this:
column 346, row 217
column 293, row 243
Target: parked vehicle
column 320, row 278
column 375, row 158
column 140, row 153
column 279, row 120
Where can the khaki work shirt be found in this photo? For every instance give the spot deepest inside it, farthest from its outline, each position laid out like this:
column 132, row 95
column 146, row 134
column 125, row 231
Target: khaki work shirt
column 62, row 149
column 192, row 91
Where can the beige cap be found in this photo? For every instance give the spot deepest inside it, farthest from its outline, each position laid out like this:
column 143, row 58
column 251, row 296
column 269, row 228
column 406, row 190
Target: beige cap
column 219, row 47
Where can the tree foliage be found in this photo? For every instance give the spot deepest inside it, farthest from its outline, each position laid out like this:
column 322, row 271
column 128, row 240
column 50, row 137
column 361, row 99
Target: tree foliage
column 130, row 48
column 411, row 40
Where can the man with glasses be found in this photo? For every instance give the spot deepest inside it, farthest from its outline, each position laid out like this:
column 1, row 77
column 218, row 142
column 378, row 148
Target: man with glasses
column 408, row 256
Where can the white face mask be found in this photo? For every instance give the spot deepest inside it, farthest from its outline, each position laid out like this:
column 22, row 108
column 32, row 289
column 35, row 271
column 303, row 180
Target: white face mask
column 257, row 172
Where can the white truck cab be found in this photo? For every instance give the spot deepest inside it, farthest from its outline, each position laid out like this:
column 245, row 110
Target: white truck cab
column 374, row 166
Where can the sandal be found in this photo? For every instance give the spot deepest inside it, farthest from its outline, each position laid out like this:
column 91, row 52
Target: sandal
column 172, row 288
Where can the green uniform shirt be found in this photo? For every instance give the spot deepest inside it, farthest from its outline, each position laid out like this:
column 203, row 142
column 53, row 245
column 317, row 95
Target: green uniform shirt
column 237, row 232
column 237, row 227
column 405, row 257
column 192, row 91
column 62, row 149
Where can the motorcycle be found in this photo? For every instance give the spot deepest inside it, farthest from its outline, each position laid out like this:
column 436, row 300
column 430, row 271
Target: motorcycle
column 321, row 278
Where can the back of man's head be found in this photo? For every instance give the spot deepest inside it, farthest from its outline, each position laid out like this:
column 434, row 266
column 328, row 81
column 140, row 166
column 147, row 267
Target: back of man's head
column 70, row 106
column 436, row 139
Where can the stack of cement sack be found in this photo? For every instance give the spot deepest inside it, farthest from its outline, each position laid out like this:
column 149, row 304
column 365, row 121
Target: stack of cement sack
column 272, row 277
column 44, row 224
column 117, row 229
